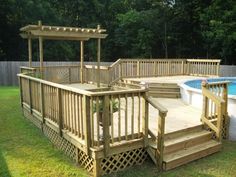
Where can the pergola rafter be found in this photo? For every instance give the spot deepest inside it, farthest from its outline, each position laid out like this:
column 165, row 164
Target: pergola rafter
column 43, row 32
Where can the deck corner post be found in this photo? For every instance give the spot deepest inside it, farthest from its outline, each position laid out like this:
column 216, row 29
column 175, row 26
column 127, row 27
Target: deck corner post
column 160, row 139
column 60, row 121
column 30, row 97
column 120, row 70
column 204, row 103
column 97, row 168
column 42, row 102
column 105, row 122
column 145, row 120
column 86, row 117
column 21, row 91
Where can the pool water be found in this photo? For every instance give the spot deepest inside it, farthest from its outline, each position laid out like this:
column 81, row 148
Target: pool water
column 231, row 89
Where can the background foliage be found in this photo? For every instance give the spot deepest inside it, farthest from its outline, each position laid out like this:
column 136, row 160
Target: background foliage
column 136, row 28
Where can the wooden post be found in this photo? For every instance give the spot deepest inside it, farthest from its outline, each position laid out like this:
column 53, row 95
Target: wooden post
column 120, row 70
column 182, row 67
column 160, row 140
column 87, row 124
column 99, row 60
column 42, row 102
column 205, row 103
column 30, row 97
column 21, row 94
column 69, row 72
column 105, row 122
column 218, row 69
column 40, row 49
column 30, row 51
column 145, row 120
column 82, row 61
column 60, row 121
column 138, row 69
column 226, row 117
column 97, row 168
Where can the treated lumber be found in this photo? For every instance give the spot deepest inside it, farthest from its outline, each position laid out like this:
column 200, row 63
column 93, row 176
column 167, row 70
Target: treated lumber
column 184, row 156
column 105, row 122
column 117, row 148
column 186, row 141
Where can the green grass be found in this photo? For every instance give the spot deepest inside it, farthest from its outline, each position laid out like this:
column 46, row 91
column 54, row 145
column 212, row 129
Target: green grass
column 25, row 152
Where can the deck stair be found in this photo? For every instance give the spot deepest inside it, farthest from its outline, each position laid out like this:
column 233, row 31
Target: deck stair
column 164, row 90
column 185, row 146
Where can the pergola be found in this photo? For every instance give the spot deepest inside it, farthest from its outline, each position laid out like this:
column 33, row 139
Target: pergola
column 43, row 32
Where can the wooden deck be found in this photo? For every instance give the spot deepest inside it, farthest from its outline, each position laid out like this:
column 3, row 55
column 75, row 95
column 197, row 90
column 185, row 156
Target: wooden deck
column 80, row 119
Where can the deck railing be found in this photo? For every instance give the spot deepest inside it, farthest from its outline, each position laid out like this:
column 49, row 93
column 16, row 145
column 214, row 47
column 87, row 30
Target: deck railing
column 128, row 68
column 91, row 118
column 215, row 114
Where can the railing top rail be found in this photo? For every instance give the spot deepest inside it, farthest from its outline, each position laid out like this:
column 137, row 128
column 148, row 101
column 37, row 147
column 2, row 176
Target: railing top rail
column 115, row 63
column 68, row 88
column 204, row 60
column 26, row 67
column 95, row 67
column 58, row 66
column 84, row 92
column 157, row 105
column 217, row 83
column 152, row 59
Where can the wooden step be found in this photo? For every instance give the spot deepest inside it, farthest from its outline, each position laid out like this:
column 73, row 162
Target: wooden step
column 182, row 132
column 185, row 156
column 164, row 89
column 186, row 141
column 163, row 85
column 164, row 95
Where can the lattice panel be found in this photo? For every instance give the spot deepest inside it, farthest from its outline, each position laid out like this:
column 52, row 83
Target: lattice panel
column 85, row 161
column 123, row 160
column 34, row 120
column 225, row 129
column 61, row 143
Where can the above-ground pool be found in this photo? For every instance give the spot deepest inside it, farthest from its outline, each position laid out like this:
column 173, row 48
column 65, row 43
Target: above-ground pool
column 197, row 84
column 191, row 93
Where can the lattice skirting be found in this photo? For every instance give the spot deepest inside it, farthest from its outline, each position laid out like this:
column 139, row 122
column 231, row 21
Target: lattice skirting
column 61, row 143
column 123, row 160
column 224, row 130
column 107, row 165
column 33, row 119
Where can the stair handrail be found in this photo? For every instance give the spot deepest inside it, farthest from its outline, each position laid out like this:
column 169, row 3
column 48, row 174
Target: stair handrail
column 214, row 112
column 160, row 129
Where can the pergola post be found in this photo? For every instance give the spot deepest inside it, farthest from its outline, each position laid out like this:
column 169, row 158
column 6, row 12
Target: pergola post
column 30, row 51
column 82, row 62
column 40, row 48
column 98, row 59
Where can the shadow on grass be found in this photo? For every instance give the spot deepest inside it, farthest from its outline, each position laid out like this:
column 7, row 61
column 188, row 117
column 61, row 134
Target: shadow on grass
column 4, row 171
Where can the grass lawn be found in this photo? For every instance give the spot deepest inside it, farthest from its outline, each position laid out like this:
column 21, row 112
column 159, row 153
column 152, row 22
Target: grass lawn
column 25, row 152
